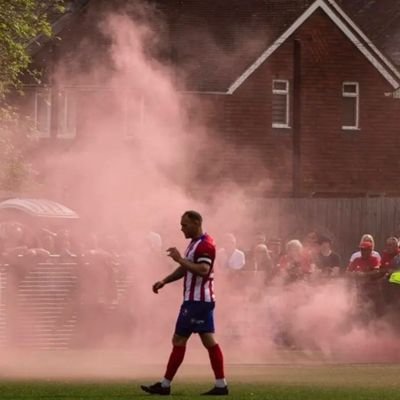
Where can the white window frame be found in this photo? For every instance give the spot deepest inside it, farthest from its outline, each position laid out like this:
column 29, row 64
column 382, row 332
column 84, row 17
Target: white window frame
column 127, row 133
column 63, row 111
column 40, row 92
column 286, row 93
column 355, row 95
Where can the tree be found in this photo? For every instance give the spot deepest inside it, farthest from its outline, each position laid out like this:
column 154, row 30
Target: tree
column 22, row 23
column 16, row 138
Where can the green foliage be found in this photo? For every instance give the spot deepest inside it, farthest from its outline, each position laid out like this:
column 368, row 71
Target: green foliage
column 21, row 23
column 17, row 137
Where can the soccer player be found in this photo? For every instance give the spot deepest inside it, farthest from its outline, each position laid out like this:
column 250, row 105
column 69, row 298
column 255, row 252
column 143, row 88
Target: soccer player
column 196, row 313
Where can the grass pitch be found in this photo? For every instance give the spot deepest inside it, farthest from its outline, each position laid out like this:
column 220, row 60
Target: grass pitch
column 252, row 382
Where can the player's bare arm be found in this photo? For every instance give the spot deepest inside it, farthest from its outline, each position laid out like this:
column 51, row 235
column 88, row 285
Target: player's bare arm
column 201, row 269
column 175, row 276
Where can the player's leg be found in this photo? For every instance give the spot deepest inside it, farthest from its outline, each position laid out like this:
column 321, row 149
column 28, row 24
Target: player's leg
column 182, row 334
column 175, row 360
column 206, row 331
column 208, row 340
column 217, row 364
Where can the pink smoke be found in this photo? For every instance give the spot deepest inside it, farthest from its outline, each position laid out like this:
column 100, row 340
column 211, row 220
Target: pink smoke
column 145, row 183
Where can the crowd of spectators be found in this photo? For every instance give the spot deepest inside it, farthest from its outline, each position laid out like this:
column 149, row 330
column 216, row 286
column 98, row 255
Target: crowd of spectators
column 310, row 257
column 104, row 261
column 103, row 266
column 374, row 276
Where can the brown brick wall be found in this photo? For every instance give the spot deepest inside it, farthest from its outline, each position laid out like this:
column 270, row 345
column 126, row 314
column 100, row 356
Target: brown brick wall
column 332, row 160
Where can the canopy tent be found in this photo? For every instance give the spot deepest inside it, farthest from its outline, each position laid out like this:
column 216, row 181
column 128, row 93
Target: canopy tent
column 38, row 208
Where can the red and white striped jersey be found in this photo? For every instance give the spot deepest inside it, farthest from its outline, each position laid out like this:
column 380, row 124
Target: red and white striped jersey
column 196, row 287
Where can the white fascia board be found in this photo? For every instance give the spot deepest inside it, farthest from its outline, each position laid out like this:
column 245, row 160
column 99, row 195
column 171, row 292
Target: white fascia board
column 356, row 29
column 205, row 92
column 367, row 53
column 278, row 42
column 350, row 35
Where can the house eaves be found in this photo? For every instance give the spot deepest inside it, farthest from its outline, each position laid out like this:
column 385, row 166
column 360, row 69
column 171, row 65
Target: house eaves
column 347, row 26
column 356, row 29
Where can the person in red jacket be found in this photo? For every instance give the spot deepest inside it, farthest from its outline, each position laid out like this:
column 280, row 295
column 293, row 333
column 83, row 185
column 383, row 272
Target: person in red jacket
column 366, row 263
column 390, row 252
column 365, row 270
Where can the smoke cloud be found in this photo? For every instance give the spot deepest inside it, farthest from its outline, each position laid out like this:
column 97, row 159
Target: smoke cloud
column 146, row 153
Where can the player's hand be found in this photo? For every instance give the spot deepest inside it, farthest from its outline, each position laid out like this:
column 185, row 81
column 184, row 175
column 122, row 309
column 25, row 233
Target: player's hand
column 173, row 252
column 157, row 286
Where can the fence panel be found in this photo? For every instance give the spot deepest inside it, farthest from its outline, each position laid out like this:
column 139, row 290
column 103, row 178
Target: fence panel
column 342, row 219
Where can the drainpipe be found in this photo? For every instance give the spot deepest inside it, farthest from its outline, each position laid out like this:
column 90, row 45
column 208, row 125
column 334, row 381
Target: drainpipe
column 296, row 135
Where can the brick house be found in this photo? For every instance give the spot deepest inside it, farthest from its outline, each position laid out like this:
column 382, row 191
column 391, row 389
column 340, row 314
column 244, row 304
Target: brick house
column 298, row 87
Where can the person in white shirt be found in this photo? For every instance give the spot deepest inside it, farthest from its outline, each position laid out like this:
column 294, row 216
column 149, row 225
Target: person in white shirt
column 229, row 256
column 366, row 238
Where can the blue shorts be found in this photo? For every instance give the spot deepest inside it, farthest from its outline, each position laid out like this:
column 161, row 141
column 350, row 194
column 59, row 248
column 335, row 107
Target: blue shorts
column 195, row 317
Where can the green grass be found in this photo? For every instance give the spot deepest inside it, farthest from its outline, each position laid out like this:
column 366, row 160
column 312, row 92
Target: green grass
column 355, row 382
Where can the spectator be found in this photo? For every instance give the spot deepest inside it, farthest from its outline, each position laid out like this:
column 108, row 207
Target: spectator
column 365, row 272
column 229, row 256
column 275, row 250
column 367, row 261
column 296, row 263
column 14, row 239
column 48, row 241
column 15, row 247
column 259, row 239
column 327, row 261
column 390, row 253
column 97, row 293
column 366, row 238
column 311, row 245
column 391, row 294
column 262, row 259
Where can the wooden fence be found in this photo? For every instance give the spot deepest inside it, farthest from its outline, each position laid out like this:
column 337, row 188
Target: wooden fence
column 343, row 219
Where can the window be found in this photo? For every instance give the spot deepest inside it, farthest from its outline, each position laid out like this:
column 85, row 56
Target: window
column 280, row 104
column 42, row 111
column 67, row 114
column 351, row 105
column 133, row 115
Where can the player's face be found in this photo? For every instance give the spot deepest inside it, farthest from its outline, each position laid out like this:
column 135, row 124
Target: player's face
column 188, row 227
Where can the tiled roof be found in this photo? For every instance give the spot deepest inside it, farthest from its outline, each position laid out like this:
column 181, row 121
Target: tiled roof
column 380, row 21
column 215, row 43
